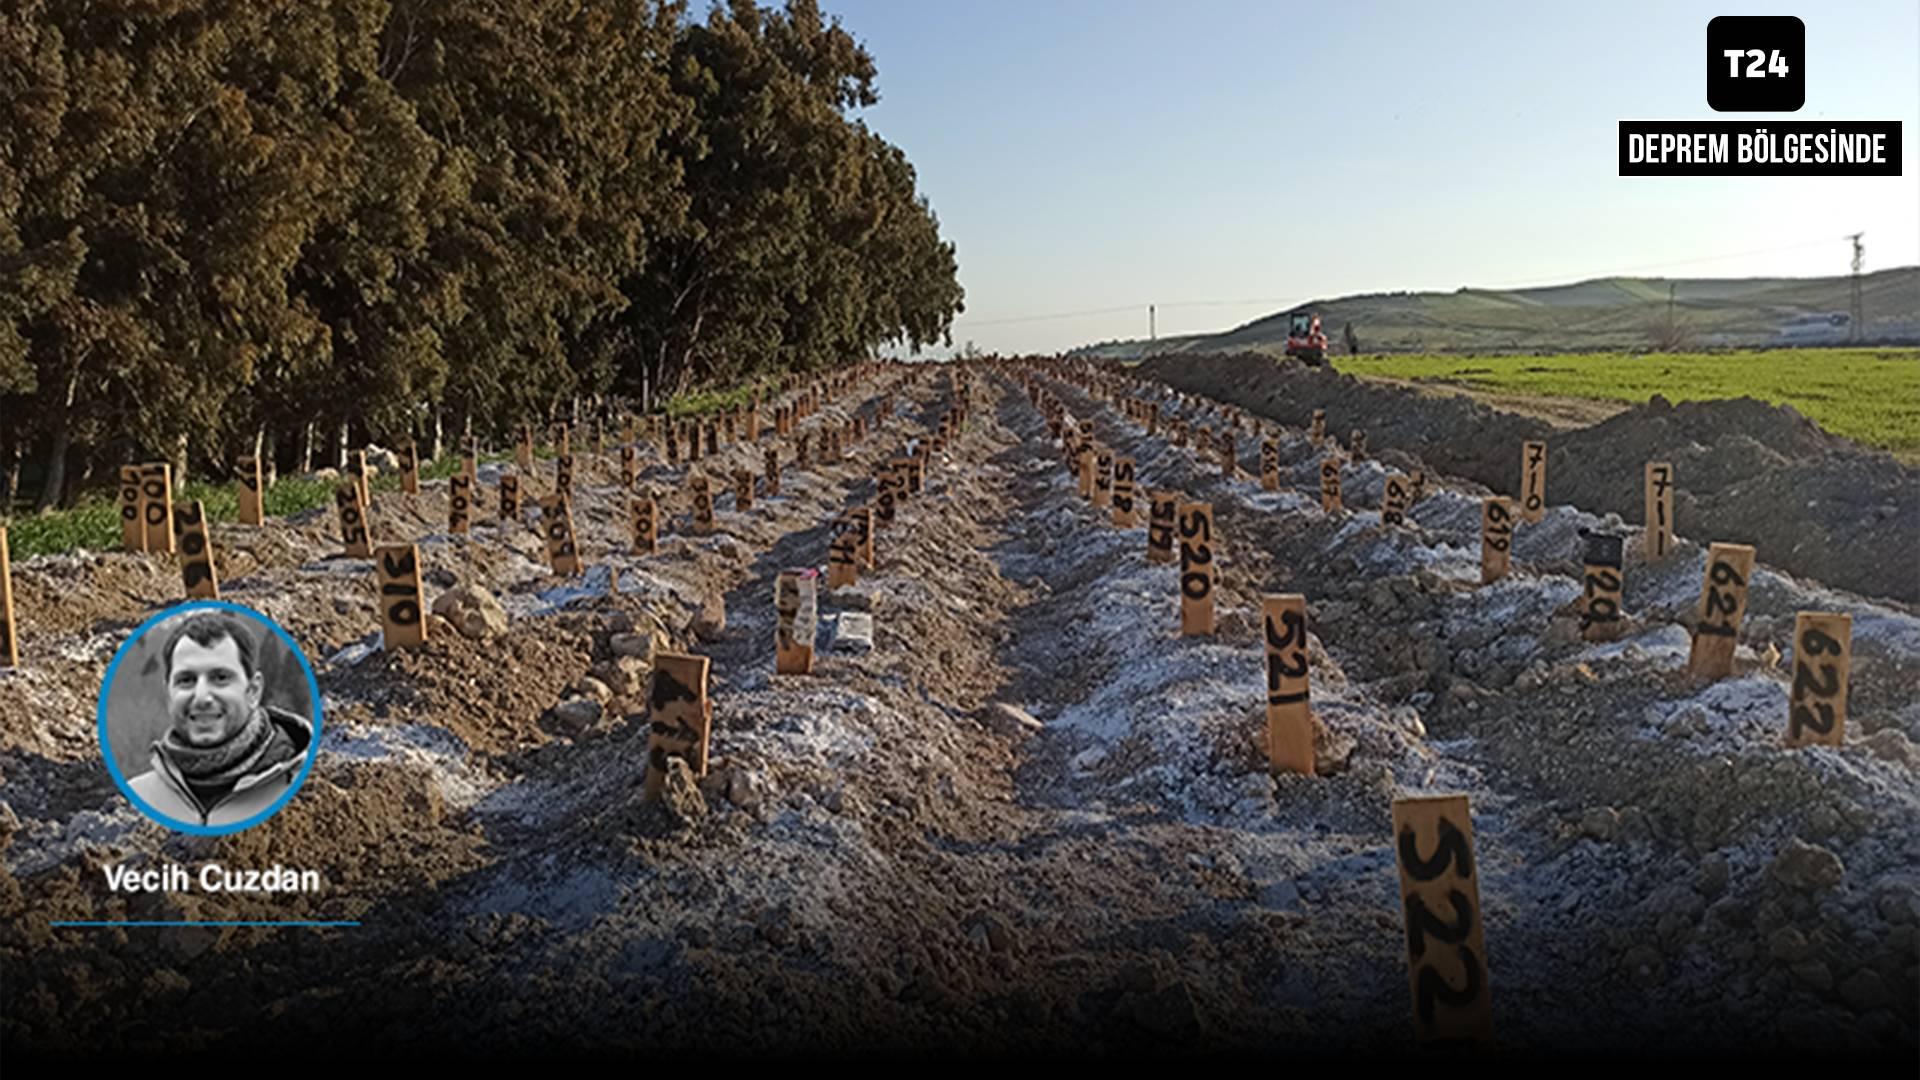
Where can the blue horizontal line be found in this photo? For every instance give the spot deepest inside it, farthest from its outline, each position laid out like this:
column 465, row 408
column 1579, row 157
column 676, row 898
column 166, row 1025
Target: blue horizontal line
column 210, row 922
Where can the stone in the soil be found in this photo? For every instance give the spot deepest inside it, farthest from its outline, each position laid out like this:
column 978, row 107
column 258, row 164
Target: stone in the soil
column 853, row 632
column 1600, row 823
column 1788, row 945
column 1864, row 991
column 1808, row 867
column 473, row 611
column 1008, row 720
column 680, row 803
column 590, row 687
column 576, row 715
column 711, row 622
column 1332, row 750
column 1892, row 744
column 746, row 789
column 623, row 675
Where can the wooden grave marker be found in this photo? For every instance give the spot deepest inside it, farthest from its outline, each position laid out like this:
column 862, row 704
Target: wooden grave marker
column 459, row 503
column 1723, row 602
column 796, row 620
column 355, row 531
column 556, row 524
column 1358, row 445
column 1229, row 455
column 563, row 473
column 1659, row 510
column 1103, row 478
column 629, row 465
column 9, row 628
column 196, row 551
column 1270, row 465
column 252, row 504
column 1083, row 469
column 410, row 469
column 773, row 471
column 133, row 526
column 1440, row 901
column 1289, row 722
column 509, row 497
column 156, row 505
column 1822, row 662
column 863, row 524
column 357, row 465
column 702, row 504
column 886, row 482
column 1395, row 497
column 644, row 513
column 1162, row 520
column 1496, row 538
column 1330, row 484
column 1123, row 492
column 679, row 717
column 1196, row 569
column 843, row 553
column 1601, row 586
column 713, row 437
column 1533, row 480
column 1317, row 431
column 403, row 607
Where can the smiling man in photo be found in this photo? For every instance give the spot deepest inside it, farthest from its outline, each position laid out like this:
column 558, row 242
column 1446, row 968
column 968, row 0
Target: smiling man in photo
column 225, row 756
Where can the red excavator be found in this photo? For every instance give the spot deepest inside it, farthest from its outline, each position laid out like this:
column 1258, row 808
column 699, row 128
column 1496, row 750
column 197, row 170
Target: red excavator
column 1304, row 338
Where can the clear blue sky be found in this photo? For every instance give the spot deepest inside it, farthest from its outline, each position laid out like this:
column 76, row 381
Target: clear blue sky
column 1089, row 154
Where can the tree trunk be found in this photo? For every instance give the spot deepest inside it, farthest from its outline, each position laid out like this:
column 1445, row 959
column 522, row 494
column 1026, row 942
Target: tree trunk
column 433, row 440
column 54, row 487
column 179, row 461
column 303, row 455
column 267, row 451
column 340, row 448
column 11, row 478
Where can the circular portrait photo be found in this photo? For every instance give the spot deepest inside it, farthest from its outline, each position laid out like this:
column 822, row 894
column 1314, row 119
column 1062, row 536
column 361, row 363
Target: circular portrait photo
column 209, row 718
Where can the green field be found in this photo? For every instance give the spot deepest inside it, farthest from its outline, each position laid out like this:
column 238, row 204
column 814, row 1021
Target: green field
column 1869, row 395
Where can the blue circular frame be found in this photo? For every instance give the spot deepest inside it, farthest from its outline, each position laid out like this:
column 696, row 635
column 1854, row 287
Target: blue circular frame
column 106, row 744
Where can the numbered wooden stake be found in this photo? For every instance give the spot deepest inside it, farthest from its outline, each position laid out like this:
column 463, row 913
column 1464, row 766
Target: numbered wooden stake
column 133, row 526
column 843, row 553
column 1496, row 538
column 196, row 551
column 1330, row 484
column 645, row 515
column 886, row 484
column 354, row 528
column 1395, row 497
column 9, row 629
column 1416, row 487
column 800, row 447
column 410, row 469
column 459, row 503
column 1723, row 602
column 742, row 489
column 679, row 717
column 1659, row 501
column 1533, row 481
column 863, row 524
column 1084, row 467
column 1229, row 456
column 509, row 497
column 1177, row 434
column 629, row 465
column 702, row 505
column 1162, row 521
column 1196, row 569
column 796, row 613
column 1601, row 589
column 713, row 437
column 773, row 471
column 917, row 474
column 523, row 454
column 556, row 523
column 1289, row 723
column 403, row 608
column 1440, row 900
column 156, row 505
column 249, row 492
column 1358, row 443
column 1317, row 432
column 1822, row 659
column 563, row 474
column 1103, row 478
column 1270, row 465
column 1123, row 492
column 672, row 446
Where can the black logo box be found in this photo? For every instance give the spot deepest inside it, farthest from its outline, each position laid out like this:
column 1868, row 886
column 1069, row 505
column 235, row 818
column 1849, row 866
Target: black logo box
column 1750, row 82
column 1779, row 137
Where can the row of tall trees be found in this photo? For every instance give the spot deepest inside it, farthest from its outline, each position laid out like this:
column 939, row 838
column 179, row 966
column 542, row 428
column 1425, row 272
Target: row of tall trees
column 297, row 223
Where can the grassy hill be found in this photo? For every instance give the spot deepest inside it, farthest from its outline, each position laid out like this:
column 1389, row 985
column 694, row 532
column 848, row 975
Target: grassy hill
column 1615, row 313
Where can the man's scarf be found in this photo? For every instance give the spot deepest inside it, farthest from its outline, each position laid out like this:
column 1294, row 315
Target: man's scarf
column 258, row 743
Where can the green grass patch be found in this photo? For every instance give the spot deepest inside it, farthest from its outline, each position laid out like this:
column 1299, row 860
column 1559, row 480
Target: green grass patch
column 711, row 401
column 95, row 522
column 1871, row 396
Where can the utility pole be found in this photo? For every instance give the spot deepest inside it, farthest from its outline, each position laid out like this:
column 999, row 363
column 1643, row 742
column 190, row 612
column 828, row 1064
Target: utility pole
column 1152, row 333
column 1857, row 315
